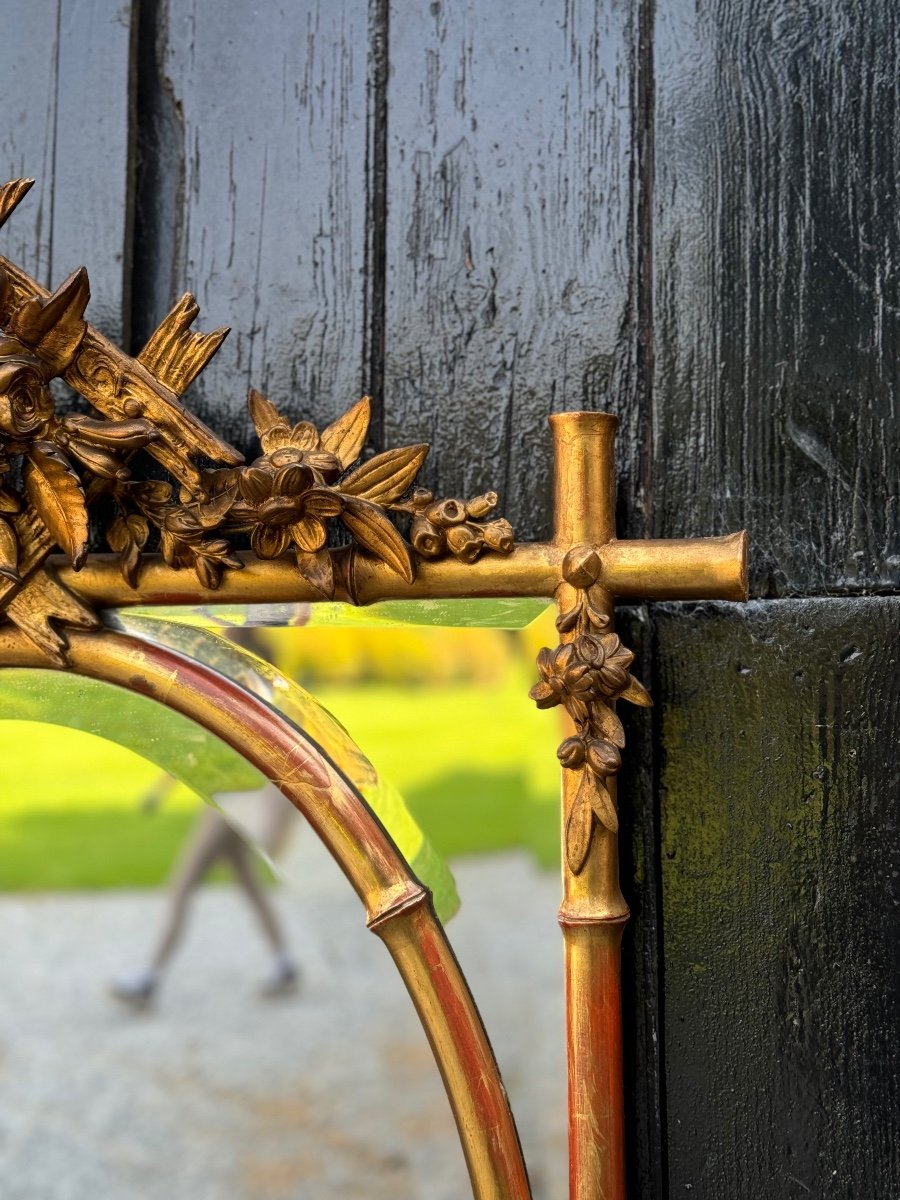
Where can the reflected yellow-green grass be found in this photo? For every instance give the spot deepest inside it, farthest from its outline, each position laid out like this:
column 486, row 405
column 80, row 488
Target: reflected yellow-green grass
column 443, row 714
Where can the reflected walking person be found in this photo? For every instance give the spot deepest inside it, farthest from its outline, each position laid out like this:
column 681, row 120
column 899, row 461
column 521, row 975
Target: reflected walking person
column 213, row 840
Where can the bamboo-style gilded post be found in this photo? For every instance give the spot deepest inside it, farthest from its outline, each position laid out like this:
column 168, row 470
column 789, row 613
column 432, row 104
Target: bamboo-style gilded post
column 588, row 673
column 593, row 912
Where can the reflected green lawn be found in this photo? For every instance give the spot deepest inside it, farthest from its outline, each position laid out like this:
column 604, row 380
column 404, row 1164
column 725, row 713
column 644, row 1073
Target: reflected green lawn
column 476, row 766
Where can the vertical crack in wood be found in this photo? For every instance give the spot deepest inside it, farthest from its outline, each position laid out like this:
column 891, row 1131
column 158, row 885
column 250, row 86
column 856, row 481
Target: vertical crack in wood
column 376, row 172
column 159, row 176
column 645, row 95
column 131, row 190
column 652, row 953
column 57, row 50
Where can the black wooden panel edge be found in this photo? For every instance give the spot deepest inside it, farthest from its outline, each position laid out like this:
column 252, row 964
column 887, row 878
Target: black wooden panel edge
column 642, row 944
column 780, row 823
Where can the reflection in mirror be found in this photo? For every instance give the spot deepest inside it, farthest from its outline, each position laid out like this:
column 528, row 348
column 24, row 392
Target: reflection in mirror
column 212, row 1089
column 474, row 612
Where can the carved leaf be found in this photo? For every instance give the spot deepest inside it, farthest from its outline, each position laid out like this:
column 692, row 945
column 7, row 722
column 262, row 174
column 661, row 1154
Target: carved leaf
column 346, row 436
column 263, row 412
column 596, row 617
column 54, row 490
column 636, row 693
column 9, row 551
column 10, row 196
column 567, row 621
column 386, row 476
column 609, row 725
column 602, row 804
column 318, row 570
column 55, row 326
column 140, row 529
column 214, row 511
column 208, row 571
column 579, row 827
column 375, row 533
column 128, row 536
column 169, row 546
column 118, row 535
column 129, row 564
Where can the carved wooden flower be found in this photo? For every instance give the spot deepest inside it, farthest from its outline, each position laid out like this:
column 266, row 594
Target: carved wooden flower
column 292, row 491
column 25, row 402
column 285, row 504
column 327, row 454
column 40, row 341
column 607, row 659
column 592, row 667
column 297, row 446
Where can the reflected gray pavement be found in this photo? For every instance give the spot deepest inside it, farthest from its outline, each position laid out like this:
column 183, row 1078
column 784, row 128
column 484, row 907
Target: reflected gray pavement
column 216, row 1094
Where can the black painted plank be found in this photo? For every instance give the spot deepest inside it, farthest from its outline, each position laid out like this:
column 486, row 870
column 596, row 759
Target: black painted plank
column 777, row 298
column 510, row 275
column 65, row 89
column 780, row 800
column 642, row 944
column 254, row 135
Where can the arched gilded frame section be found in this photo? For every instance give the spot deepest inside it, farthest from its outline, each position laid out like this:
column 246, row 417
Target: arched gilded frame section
column 398, row 908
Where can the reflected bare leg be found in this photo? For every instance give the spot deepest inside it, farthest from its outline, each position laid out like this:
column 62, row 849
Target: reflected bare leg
column 207, row 843
column 211, row 841
column 284, row 974
column 240, row 858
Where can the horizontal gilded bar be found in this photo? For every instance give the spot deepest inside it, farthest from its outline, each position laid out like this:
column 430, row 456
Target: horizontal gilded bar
column 681, row 569
column 531, row 570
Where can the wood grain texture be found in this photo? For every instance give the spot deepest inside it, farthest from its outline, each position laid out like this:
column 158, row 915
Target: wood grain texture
column 510, row 274
column 256, row 139
column 780, row 870
column 777, row 299
column 645, row 1116
column 65, row 90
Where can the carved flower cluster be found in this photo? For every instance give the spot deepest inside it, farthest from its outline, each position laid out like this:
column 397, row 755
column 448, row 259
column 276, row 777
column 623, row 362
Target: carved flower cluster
column 286, row 497
column 53, row 467
column 283, row 501
column 40, row 341
column 590, row 668
column 586, row 674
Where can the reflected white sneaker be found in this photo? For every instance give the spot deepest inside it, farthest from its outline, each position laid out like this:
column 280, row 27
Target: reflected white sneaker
column 137, row 990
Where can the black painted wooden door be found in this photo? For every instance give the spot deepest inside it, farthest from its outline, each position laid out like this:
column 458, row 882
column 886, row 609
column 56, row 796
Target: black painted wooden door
column 482, row 212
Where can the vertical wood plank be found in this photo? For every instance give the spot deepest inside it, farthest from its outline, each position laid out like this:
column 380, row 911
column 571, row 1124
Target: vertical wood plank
column 28, row 136
column 781, row 861
column 65, row 91
column 777, row 131
column 510, row 280
column 257, row 133
column 92, row 174
column 645, row 1120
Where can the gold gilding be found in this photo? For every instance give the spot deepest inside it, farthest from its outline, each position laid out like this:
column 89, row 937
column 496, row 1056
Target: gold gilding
column 405, row 544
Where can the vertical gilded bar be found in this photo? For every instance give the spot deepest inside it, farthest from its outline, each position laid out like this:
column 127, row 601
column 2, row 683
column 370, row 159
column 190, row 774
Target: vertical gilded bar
column 593, row 911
